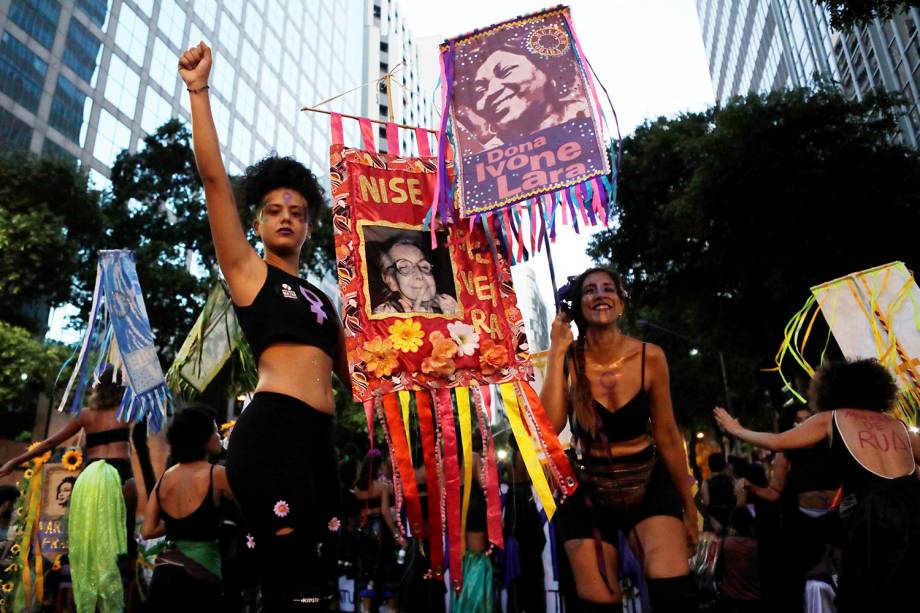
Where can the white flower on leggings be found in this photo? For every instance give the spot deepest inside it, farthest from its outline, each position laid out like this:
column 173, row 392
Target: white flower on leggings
column 250, row 542
column 282, row 508
column 334, row 525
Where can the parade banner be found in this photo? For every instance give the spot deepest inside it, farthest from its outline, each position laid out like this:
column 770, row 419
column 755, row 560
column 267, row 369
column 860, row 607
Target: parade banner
column 431, row 322
column 215, row 339
column 873, row 313
column 417, row 317
column 525, row 117
column 118, row 334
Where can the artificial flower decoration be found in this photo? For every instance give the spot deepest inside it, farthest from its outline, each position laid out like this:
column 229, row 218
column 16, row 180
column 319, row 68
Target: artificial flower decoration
column 250, row 541
column 334, row 524
column 442, row 350
column 7, row 587
column 281, row 508
column 465, row 336
column 14, row 549
column 28, row 474
column 379, row 357
column 492, row 357
column 406, row 335
column 43, row 457
column 73, row 459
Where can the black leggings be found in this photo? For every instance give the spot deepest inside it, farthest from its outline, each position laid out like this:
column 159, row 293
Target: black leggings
column 282, row 469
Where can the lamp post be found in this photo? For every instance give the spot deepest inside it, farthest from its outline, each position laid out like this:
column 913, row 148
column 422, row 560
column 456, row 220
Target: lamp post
column 694, row 352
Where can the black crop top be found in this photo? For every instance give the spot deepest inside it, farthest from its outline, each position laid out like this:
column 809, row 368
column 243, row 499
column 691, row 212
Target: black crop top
column 631, row 420
column 289, row 309
column 115, row 435
column 202, row 524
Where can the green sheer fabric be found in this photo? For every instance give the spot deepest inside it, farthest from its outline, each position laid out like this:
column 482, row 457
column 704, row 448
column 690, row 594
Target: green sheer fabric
column 97, row 536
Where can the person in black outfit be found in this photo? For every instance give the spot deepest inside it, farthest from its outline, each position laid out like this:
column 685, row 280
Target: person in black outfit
column 876, row 456
column 629, row 452
column 184, row 508
column 280, row 458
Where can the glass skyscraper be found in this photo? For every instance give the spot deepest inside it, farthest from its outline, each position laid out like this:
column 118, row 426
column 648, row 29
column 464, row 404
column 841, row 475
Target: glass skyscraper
column 765, row 45
column 87, row 78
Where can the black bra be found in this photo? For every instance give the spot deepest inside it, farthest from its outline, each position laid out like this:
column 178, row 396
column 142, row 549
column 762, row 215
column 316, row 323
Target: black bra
column 115, row 435
column 630, row 420
column 287, row 308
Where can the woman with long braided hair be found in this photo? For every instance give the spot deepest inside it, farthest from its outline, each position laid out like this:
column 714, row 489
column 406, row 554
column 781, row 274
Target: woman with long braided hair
column 628, row 451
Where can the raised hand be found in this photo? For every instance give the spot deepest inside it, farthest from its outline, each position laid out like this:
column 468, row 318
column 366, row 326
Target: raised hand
column 561, row 336
column 195, row 66
column 726, row 421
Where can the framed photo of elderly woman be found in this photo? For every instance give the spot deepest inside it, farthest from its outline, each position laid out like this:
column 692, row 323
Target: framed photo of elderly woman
column 522, row 110
column 403, row 275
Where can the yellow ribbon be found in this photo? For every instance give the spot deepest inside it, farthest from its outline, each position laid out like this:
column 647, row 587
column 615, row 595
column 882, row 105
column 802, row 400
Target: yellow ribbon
column 404, row 404
column 527, row 451
column 466, row 440
column 35, row 503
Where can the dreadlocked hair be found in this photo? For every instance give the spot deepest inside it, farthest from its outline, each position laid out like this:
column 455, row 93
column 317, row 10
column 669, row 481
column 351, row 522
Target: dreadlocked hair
column 580, row 398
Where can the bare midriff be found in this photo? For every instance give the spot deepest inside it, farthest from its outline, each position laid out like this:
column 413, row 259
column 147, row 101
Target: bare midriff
column 300, row 371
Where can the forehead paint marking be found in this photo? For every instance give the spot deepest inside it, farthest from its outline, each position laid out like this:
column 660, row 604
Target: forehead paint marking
column 286, row 197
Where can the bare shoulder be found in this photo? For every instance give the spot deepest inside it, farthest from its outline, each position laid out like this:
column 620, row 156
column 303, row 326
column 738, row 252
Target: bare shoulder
column 654, row 352
column 246, row 280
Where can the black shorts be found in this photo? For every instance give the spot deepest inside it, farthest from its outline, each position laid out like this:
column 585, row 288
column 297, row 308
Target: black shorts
column 282, row 469
column 576, row 520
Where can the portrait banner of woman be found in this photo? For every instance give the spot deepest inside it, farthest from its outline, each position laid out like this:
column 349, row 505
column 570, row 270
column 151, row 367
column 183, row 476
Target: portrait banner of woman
column 523, row 110
column 57, row 487
column 417, row 314
column 431, row 322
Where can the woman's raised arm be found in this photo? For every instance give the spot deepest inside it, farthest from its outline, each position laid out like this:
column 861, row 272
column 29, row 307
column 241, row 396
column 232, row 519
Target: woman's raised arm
column 238, row 261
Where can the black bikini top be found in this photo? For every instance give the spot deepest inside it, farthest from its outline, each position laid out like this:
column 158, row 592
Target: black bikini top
column 115, row 435
column 631, row 420
column 202, row 524
column 289, row 309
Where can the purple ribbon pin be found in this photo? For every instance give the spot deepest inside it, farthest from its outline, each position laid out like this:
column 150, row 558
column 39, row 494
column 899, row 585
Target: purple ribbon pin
column 316, row 305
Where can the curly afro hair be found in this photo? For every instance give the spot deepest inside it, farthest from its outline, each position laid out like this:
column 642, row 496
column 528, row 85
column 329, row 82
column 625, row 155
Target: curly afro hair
column 273, row 172
column 190, row 432
column 860, row 384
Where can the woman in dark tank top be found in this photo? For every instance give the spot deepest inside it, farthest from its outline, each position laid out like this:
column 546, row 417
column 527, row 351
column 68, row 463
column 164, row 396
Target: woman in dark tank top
column 875, row 456
column 280, row 457
column 184, row 509
column 634, row 475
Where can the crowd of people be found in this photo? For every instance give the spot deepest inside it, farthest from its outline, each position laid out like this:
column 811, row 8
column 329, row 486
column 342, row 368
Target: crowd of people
column 274, row 518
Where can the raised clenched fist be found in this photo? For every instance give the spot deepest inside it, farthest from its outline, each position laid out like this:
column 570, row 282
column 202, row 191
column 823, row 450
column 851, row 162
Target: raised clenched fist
column 195, row 66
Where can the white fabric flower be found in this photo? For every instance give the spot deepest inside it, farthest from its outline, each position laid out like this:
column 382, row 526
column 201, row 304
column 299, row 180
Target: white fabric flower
column 465, row 336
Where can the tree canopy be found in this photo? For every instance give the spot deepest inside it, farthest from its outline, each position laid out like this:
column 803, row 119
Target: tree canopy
column 854, row 13
column 51, row 223
column 727, row 217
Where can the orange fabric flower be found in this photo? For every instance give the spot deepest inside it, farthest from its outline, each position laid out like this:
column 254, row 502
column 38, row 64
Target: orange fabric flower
column 379, row 357
column 492, row 357
column 440, row 361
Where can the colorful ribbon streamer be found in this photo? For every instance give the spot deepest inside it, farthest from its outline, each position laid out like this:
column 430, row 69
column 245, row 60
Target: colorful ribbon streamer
column 525, row 444
column 427, row 425
column 400, row 451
